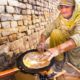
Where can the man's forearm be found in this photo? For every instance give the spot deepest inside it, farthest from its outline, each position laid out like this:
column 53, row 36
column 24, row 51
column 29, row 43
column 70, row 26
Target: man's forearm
column 67, row 46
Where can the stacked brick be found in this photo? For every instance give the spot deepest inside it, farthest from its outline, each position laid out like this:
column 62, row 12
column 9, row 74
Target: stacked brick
column 22, row 22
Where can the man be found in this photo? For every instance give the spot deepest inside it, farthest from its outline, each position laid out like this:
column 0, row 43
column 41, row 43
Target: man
column 65, row 28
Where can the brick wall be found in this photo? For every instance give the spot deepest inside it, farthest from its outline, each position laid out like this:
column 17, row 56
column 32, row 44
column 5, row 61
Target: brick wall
column 22, row 22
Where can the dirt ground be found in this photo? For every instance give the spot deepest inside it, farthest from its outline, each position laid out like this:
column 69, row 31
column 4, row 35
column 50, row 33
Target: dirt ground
column 21, row 76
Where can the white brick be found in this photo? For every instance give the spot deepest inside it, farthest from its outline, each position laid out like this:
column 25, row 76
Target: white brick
column 17, row 10
column 24, row 12
column 21, row 5
column 28, row 11
column 10, row 9
column 6, row 24
column 6, row 17
column 25, row 22
column 6, row 32
column 13, row 3
column 32, row 11
column 25, row 0
column 29, row 6
column 3, row 2
column 14, row 24
column 16, row 4
column 19, row 35
column 32, row 2
column 2, row 9
column 22, row 28
column 20, row 23
column 18, row 17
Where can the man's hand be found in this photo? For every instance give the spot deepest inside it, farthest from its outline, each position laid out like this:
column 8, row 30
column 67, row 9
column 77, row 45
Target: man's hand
column 49, row 54
column 41, row 47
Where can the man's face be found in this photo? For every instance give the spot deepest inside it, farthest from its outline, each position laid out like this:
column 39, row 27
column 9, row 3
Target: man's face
column 66, row 11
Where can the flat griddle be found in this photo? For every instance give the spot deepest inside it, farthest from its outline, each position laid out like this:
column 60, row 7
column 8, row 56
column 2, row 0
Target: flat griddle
column 25, row 69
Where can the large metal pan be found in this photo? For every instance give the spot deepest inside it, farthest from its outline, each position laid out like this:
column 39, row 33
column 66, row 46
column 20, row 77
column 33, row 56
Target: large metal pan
column 31, row 62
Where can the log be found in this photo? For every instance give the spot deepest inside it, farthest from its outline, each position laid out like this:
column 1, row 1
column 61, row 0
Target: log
column 8, row 72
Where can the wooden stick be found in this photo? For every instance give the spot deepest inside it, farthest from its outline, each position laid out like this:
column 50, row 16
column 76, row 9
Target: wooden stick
column 73, row 67
column 59, row 74
column 8, row 72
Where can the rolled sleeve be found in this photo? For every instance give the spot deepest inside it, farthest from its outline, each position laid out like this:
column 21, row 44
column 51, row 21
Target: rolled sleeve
column 76, row 36
column 76, row 39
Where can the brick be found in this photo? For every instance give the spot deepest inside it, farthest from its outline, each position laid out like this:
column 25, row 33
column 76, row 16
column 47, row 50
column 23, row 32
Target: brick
column 31, row 26
column 24, row 12
column 25, row 22
column 30, row 22
column 24, row 17
column 6, row 24
column 12, row 37
column 10, row 9
column 38, row 8
column 13, row 3
column 23, row 6
column 4, row 49
column 20, row 23
column 29, row 17
column 28, row 11
column 29, row 32
column 17, row 10
column 33, row 39
column 3, row 2
column 17, row 17
column 9, row 31
column 6, row 17
column 3, row 40
column 2, row 9
column 25, row 0
column 17, row 44
column 22, row 29
column 34, row 7
column 14, row 45
column 32, row 2
column 19, row 35
column 32, row 11
column 26, row 43
column 29, row 6
column 38, row 3
column 14, row 24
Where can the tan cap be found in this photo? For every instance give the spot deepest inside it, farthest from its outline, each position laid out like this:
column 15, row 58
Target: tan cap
column 67, row 2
